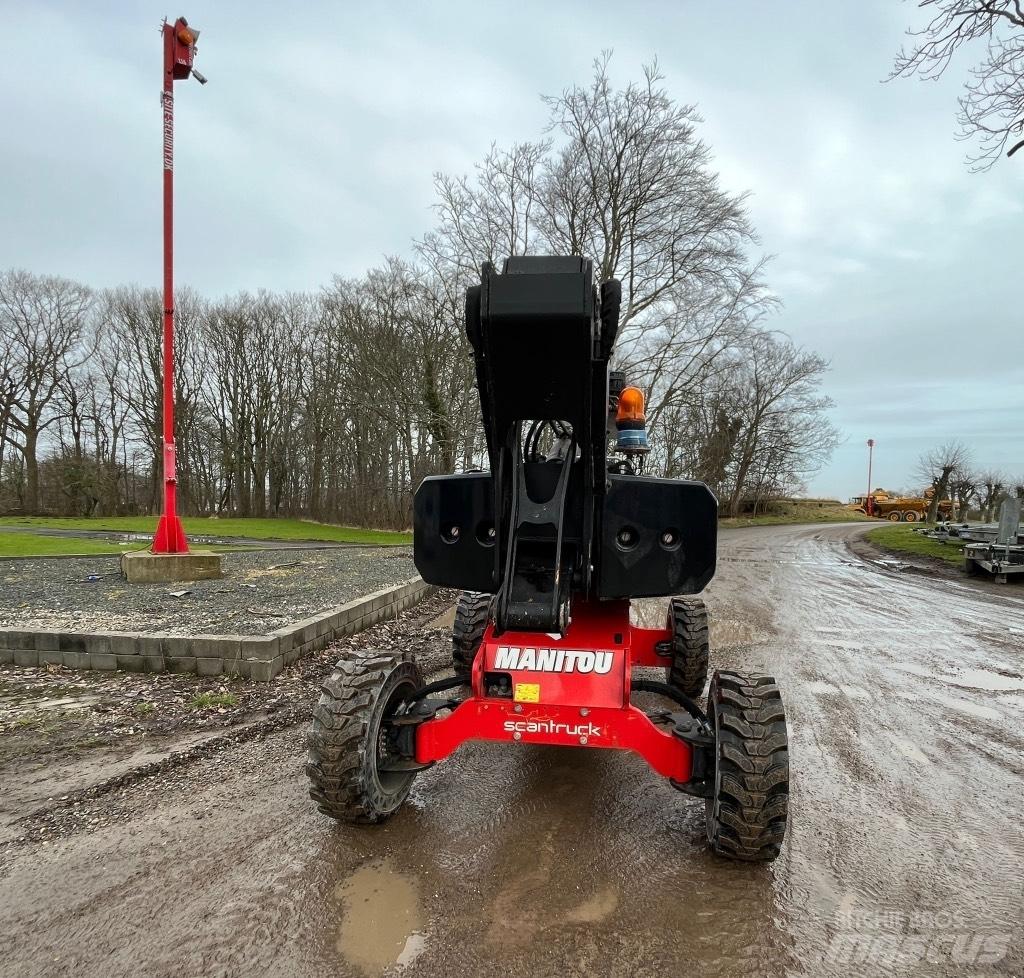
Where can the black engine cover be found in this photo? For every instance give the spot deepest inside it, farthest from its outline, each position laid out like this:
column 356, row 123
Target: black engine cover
column 639, row 514
column 454, row 516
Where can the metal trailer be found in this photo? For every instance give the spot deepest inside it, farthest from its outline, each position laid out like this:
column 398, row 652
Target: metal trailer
column 1003, row 555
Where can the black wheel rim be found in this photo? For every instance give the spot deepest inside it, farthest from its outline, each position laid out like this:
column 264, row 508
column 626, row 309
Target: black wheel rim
column 383, row 739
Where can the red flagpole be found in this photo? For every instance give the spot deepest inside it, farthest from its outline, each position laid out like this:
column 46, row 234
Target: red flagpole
column 170, row 534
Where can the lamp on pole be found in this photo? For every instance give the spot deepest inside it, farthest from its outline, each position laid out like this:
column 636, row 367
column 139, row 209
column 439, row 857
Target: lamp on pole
column 179, row 52
column 868, row 501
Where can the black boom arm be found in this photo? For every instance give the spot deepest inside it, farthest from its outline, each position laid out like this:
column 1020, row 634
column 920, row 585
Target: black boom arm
column 550, row 519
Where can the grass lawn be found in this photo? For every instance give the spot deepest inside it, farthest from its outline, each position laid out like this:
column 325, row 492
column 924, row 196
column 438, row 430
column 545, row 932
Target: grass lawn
column 798, row 511
column 38, row 545
column 259, row 529
column 902, row 539
column 35, row 545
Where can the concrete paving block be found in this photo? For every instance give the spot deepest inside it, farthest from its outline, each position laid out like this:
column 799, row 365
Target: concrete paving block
column 285, row 639
column 264, row 647
column 335, row 623
column 209, row 666
column 180, row 663
column 51, row 658
column 103, row 660
column 290, row 656
column 149, row 643
column 304, row 630
column 321, row 626
column 47, row 641
column 76, row 660
column 263, row 672
column 153, row 663
column 350, row 610
column 20, row 639
column 130, row 663
column 26, row 657
column 356, row 625
column 73, row 642
column 215, row 646
column 6, row 657
column 120, row 643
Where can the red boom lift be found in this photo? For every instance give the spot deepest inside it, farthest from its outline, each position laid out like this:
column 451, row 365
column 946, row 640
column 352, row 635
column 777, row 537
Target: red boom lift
column 549, row 547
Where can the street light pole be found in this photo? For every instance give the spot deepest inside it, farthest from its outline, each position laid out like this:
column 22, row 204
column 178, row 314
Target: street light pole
column 869, row 501
column 179, row 51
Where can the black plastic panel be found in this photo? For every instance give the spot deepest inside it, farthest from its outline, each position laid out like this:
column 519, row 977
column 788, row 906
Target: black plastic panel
column 465, row 503
column 635, row 560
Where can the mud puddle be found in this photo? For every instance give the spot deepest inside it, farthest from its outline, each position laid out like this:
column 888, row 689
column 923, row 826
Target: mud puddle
column 382, row 922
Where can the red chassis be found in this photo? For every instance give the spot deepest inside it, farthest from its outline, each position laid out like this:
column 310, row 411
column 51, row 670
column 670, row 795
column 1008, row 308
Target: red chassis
column 569, row 691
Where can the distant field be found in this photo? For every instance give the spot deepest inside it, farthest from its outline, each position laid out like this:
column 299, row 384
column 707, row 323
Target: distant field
column 902, row 539
column 259, row 529
column 799, row 511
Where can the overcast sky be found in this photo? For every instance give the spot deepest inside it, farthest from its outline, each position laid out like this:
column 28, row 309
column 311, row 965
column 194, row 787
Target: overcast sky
column 311, row 152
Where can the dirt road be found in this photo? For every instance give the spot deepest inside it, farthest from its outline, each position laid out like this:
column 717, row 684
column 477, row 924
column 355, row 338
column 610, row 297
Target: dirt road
column 905, row 855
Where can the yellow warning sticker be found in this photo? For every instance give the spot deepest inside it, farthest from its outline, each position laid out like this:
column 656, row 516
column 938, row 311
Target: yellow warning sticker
column 527, row 693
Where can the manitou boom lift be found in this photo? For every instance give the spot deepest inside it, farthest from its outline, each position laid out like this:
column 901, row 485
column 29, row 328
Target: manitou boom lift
column 548, row 547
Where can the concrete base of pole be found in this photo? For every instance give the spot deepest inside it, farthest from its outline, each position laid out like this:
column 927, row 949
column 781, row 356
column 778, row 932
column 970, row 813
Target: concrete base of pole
column 143, row 567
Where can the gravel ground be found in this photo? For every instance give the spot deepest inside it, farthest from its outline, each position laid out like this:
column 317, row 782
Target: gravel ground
column 260, row 592
column 51, row 718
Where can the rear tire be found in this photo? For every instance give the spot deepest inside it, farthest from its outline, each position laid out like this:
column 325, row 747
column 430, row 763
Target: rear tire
column 688, row 623
column 348, row 742
column 471, row 616
column 910, row 516
column 747, row 811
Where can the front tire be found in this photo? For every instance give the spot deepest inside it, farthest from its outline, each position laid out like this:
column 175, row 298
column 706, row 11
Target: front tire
column 688, row 623
column 910, row 516
column 895, row 516
column 747, row 810
column 349, row 742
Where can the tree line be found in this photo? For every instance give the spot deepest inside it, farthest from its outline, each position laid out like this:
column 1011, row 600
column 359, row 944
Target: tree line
column 950, row 472
column 334, row 404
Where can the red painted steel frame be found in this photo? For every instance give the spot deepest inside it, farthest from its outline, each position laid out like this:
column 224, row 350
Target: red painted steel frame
column 581, row 691
column 170, row 535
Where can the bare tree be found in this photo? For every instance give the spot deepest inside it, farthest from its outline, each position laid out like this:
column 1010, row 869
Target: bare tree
column 992, row 104
column 623, row 178
column 42, row 319
column 963, row 487
column 938, row 468
column 992, row 484
column 784, row 433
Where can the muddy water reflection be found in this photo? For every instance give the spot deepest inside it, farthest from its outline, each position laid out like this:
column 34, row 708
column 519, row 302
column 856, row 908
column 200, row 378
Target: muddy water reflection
column 381, row 918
